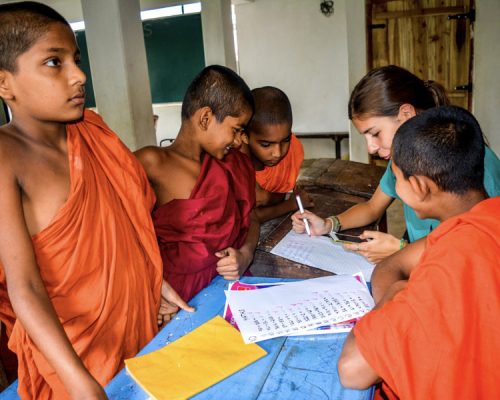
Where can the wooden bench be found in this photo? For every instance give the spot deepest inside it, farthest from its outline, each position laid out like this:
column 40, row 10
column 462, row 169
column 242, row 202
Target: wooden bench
column 337, row 137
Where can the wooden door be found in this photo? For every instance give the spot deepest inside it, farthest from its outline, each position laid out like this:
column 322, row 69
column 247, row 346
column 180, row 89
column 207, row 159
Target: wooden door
column 431, row 38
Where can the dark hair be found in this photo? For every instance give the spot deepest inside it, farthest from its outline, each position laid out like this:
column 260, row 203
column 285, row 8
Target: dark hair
column 219, row 88
column 446, row 145
column 21, row 24
column 383, row 90
column 272, row 106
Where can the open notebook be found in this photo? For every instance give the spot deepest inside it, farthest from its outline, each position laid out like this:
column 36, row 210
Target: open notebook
column 196, row 361
column 321, row 252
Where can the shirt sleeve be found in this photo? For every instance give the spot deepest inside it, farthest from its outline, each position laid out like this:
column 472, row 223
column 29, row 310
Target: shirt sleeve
column 388, row 182
column 491, row 173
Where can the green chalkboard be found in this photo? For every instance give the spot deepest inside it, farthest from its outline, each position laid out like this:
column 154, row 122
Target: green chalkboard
column 174, row 51
column 85, row 66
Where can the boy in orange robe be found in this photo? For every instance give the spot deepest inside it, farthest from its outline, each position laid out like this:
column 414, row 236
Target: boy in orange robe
column 205, row 190
column 434, row 332
column 77, row 246
column 276, row 153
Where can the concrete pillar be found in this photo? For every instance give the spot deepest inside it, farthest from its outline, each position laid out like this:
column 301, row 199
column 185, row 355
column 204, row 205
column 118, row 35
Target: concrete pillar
column 117, row 54
column 217, row 27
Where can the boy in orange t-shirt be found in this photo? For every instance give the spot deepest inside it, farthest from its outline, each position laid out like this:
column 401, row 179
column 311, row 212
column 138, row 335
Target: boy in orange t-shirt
column 434, row 331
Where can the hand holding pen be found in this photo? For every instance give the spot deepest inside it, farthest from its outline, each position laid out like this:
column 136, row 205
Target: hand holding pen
column 317, row 225
column 301, row 209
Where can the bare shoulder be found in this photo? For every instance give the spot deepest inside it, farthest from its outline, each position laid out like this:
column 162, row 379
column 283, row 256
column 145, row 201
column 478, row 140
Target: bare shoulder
column 154, row 159
column 10, row 147
column 171, row 174
column 149, row 155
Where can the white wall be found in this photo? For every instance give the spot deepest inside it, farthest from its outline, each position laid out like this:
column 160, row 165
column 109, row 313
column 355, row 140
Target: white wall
column 316, row 60
column 291, row 45
column 169, row 120
column 486, row 95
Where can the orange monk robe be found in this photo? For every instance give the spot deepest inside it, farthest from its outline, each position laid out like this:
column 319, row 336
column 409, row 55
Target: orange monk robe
column 99, row 261
column 282, row 177
column 439, row 338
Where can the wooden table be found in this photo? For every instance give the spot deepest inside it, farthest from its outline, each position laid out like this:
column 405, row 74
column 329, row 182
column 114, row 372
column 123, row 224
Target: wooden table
column 327, row 202
column 348, row 177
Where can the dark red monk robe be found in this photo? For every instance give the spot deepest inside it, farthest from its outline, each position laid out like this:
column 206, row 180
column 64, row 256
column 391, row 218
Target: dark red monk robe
column 216, row 216
column 99, row 261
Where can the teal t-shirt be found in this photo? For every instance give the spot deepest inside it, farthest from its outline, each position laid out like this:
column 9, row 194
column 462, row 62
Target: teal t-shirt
column 419, row 228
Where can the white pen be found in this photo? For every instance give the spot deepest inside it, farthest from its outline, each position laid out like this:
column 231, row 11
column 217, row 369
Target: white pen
column 301, row 209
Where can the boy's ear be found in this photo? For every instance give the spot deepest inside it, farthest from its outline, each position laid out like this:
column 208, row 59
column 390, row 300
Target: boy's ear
column 421, row 186
column 205, row 117
column 406, row 111
column 5, row 88
column 244, row 138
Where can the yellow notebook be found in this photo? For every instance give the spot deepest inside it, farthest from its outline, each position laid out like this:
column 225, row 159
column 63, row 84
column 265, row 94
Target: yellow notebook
column 203, row 357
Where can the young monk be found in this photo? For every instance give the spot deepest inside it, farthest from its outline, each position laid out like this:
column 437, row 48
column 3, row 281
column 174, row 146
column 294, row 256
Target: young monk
column 275, row 152
column 384, row 99
column 77, row 247
column 435, row 335
column 205, row 190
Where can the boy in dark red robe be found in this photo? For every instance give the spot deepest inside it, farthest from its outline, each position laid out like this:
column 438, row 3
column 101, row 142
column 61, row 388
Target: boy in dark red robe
column 434, row 332
column 205, row 190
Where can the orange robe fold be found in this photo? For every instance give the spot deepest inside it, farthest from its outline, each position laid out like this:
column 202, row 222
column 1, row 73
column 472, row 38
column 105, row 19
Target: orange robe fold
column 99, row 262
column 439, row 338
column 282, row 177
column 216, row 216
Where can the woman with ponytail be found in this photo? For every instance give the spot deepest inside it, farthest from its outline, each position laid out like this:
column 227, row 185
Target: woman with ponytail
column 384, row 99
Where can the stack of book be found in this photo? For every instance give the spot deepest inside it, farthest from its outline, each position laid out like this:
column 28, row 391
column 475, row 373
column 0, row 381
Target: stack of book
column 314, row 306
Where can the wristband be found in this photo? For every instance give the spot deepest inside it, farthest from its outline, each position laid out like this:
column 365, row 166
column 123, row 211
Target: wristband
column 402, row 244
column 336, row 225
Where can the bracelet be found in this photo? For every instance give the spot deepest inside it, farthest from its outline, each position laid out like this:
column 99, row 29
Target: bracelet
column 402, row 244
column 336, row 225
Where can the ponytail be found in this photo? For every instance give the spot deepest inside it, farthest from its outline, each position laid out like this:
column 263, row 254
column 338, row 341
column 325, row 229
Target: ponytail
column 383, row 90
column 438, row 93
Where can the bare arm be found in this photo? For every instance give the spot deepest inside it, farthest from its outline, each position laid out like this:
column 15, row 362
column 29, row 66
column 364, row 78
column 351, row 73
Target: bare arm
column 148, row 157
column 29, row 297
column 389, row 278
column 354, row 370
column 397, row 267
column 277, row 206
column 358, row 215
column 366, row 213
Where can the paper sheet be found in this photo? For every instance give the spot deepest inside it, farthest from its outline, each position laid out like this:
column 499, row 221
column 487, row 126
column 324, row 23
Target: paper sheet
column 321, row 252
column 194, row 362
column 288, row 309
column 320, row 330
